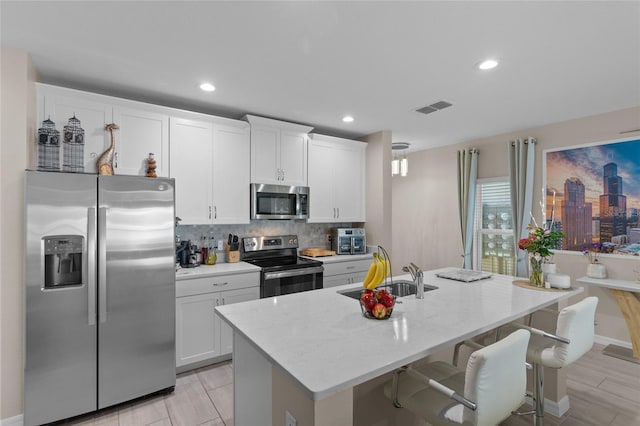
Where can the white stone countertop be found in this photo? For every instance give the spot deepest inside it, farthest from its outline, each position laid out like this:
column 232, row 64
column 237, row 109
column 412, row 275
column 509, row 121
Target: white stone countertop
column 611, row 283
column 215, row 270
column 321, row 341
column 341, row 257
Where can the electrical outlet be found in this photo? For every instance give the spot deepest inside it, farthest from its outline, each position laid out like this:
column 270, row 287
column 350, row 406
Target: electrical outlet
column 327, row 238
column 289, row 419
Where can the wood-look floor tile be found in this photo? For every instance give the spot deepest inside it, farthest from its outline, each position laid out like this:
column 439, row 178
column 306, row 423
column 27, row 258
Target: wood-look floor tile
column 216, row 422
column 626, row 388
column 222, row 398
column 623, row 420
column 162, row 422
column 187, row 377
column 190, row 405
column 145, row 412
column 216, row 376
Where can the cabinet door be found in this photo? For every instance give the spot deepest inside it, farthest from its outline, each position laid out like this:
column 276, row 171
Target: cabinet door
column 349, row 185
column 228, row 298
column 264, row 155
column 141, row 132
column 197, row 329
column 335, row 281
column 191, row 147
column 321, row 199
column 60, row 105
column 231, row 155
column 293, row 158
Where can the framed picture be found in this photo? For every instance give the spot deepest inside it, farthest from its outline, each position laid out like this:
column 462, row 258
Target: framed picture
column 593, row 195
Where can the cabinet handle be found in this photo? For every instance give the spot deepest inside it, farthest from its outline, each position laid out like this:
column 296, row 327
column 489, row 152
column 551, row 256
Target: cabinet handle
column 334, row 212
column 209, row 212
column 338, row 210
column 283, row 174
column 223, row 300
column 220, row 284
column 215, row 212
column 115, row 159
column 350, row 267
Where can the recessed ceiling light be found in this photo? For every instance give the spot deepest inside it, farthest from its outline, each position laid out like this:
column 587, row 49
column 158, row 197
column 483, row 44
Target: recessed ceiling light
column 207, row 87
column 488, row 64
column 347, row 119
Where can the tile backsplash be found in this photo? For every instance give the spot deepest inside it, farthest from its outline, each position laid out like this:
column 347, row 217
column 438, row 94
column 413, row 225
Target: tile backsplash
column 309, row 234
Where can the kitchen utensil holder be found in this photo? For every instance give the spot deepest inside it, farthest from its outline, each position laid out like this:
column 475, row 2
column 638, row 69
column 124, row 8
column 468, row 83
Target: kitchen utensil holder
column 233, row 256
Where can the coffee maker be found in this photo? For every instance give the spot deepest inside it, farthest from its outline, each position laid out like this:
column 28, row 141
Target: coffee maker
column 187, row 254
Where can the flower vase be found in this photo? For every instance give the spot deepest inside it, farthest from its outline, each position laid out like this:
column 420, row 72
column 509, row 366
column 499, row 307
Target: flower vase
column 535, row 273
column 596, row 270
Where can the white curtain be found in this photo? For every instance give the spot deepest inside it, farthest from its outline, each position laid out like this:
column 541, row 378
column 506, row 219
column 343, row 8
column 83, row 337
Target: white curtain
column 522, row 156
column 467, row 177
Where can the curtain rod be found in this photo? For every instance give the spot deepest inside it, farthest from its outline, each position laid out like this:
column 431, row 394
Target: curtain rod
column 470, row 151
column 526, row 141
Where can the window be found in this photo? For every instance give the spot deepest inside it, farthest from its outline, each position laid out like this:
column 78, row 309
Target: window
column 493, row 245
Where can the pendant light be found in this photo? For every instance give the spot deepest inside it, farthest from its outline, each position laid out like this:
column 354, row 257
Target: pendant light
column 400, row 162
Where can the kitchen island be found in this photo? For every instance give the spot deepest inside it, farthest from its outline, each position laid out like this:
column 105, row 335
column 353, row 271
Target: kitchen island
column 306, row 352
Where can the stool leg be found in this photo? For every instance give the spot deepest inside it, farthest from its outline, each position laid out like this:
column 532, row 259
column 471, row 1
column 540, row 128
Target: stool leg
column 538, row 394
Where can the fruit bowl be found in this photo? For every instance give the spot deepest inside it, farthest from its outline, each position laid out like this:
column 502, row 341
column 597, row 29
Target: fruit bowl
column 377, row 304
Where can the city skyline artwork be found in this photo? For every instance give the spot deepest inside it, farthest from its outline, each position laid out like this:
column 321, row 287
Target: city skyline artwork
column 593, row 194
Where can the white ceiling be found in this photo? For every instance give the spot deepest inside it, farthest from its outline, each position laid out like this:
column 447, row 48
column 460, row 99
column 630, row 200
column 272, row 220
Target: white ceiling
column 313, row 62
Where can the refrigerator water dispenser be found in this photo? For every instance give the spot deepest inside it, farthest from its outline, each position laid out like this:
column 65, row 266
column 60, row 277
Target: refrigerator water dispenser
column 62, row 261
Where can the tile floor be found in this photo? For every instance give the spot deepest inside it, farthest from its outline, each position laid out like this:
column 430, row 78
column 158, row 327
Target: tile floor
column 602, row 390
column 201, row 397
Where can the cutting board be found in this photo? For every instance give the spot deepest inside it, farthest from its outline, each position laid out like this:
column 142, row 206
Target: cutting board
column 316, row 252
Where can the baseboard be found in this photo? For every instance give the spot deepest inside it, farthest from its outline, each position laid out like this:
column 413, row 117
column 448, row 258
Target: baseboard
column 603, row 340
column 12, row 421
column 556, row 409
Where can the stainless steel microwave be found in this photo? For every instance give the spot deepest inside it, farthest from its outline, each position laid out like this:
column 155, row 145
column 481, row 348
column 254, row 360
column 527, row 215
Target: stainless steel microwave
column 279, row 201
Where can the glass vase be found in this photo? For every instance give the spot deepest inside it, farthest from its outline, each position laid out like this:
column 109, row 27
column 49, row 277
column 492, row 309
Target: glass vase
column 535, row 272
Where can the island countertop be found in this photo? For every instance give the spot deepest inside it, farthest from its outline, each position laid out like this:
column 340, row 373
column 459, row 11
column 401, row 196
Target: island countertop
column 321, row 341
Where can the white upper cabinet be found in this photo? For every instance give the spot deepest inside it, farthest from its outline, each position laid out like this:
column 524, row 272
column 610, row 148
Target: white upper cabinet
column 191, row 155
column 278, row 151
column 336, row 179
column 209, row 161
column 231, row 173
column 143, row 128
column 141, row 132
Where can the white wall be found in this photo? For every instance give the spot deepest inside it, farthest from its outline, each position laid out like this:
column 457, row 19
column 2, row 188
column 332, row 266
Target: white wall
column 17, row 122
column 426, row 227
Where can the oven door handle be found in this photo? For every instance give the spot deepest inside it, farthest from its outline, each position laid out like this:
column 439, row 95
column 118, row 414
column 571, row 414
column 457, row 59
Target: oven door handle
column 292, row 273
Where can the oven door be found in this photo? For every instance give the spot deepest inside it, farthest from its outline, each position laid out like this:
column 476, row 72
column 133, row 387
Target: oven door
column 277, row 283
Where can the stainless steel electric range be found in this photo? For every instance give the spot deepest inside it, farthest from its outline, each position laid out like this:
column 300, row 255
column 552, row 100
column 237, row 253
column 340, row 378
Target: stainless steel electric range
column 283, row 271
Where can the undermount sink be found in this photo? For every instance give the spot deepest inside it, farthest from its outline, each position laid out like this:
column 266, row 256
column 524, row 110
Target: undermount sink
column 400, row 288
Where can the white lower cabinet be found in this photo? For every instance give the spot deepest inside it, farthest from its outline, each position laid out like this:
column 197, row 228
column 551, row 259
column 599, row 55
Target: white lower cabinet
column 200, row 334
column 347, row 272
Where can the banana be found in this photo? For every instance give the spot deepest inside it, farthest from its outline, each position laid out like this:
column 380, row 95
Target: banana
column 379, row 277
column 387, row 268
column 371, row 273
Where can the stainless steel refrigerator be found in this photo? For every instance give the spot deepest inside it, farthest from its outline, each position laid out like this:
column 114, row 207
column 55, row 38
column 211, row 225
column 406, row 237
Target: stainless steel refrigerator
column 99, row 292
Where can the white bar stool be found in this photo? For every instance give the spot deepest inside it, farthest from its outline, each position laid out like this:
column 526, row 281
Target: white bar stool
column 493, row 385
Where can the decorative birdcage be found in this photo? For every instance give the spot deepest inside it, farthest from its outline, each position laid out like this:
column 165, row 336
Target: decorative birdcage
column 73, row 152
column 48, row 147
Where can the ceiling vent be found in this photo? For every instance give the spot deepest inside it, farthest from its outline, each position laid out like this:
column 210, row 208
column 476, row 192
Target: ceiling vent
column 434, row 107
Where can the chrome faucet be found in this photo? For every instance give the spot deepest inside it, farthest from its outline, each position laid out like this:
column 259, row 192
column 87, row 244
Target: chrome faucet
column 419, row 285
column 416, row 274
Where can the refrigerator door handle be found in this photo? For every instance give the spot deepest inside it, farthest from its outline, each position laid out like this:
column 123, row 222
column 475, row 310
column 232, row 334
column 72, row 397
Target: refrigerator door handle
column 90, row 272
column 102, row 264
